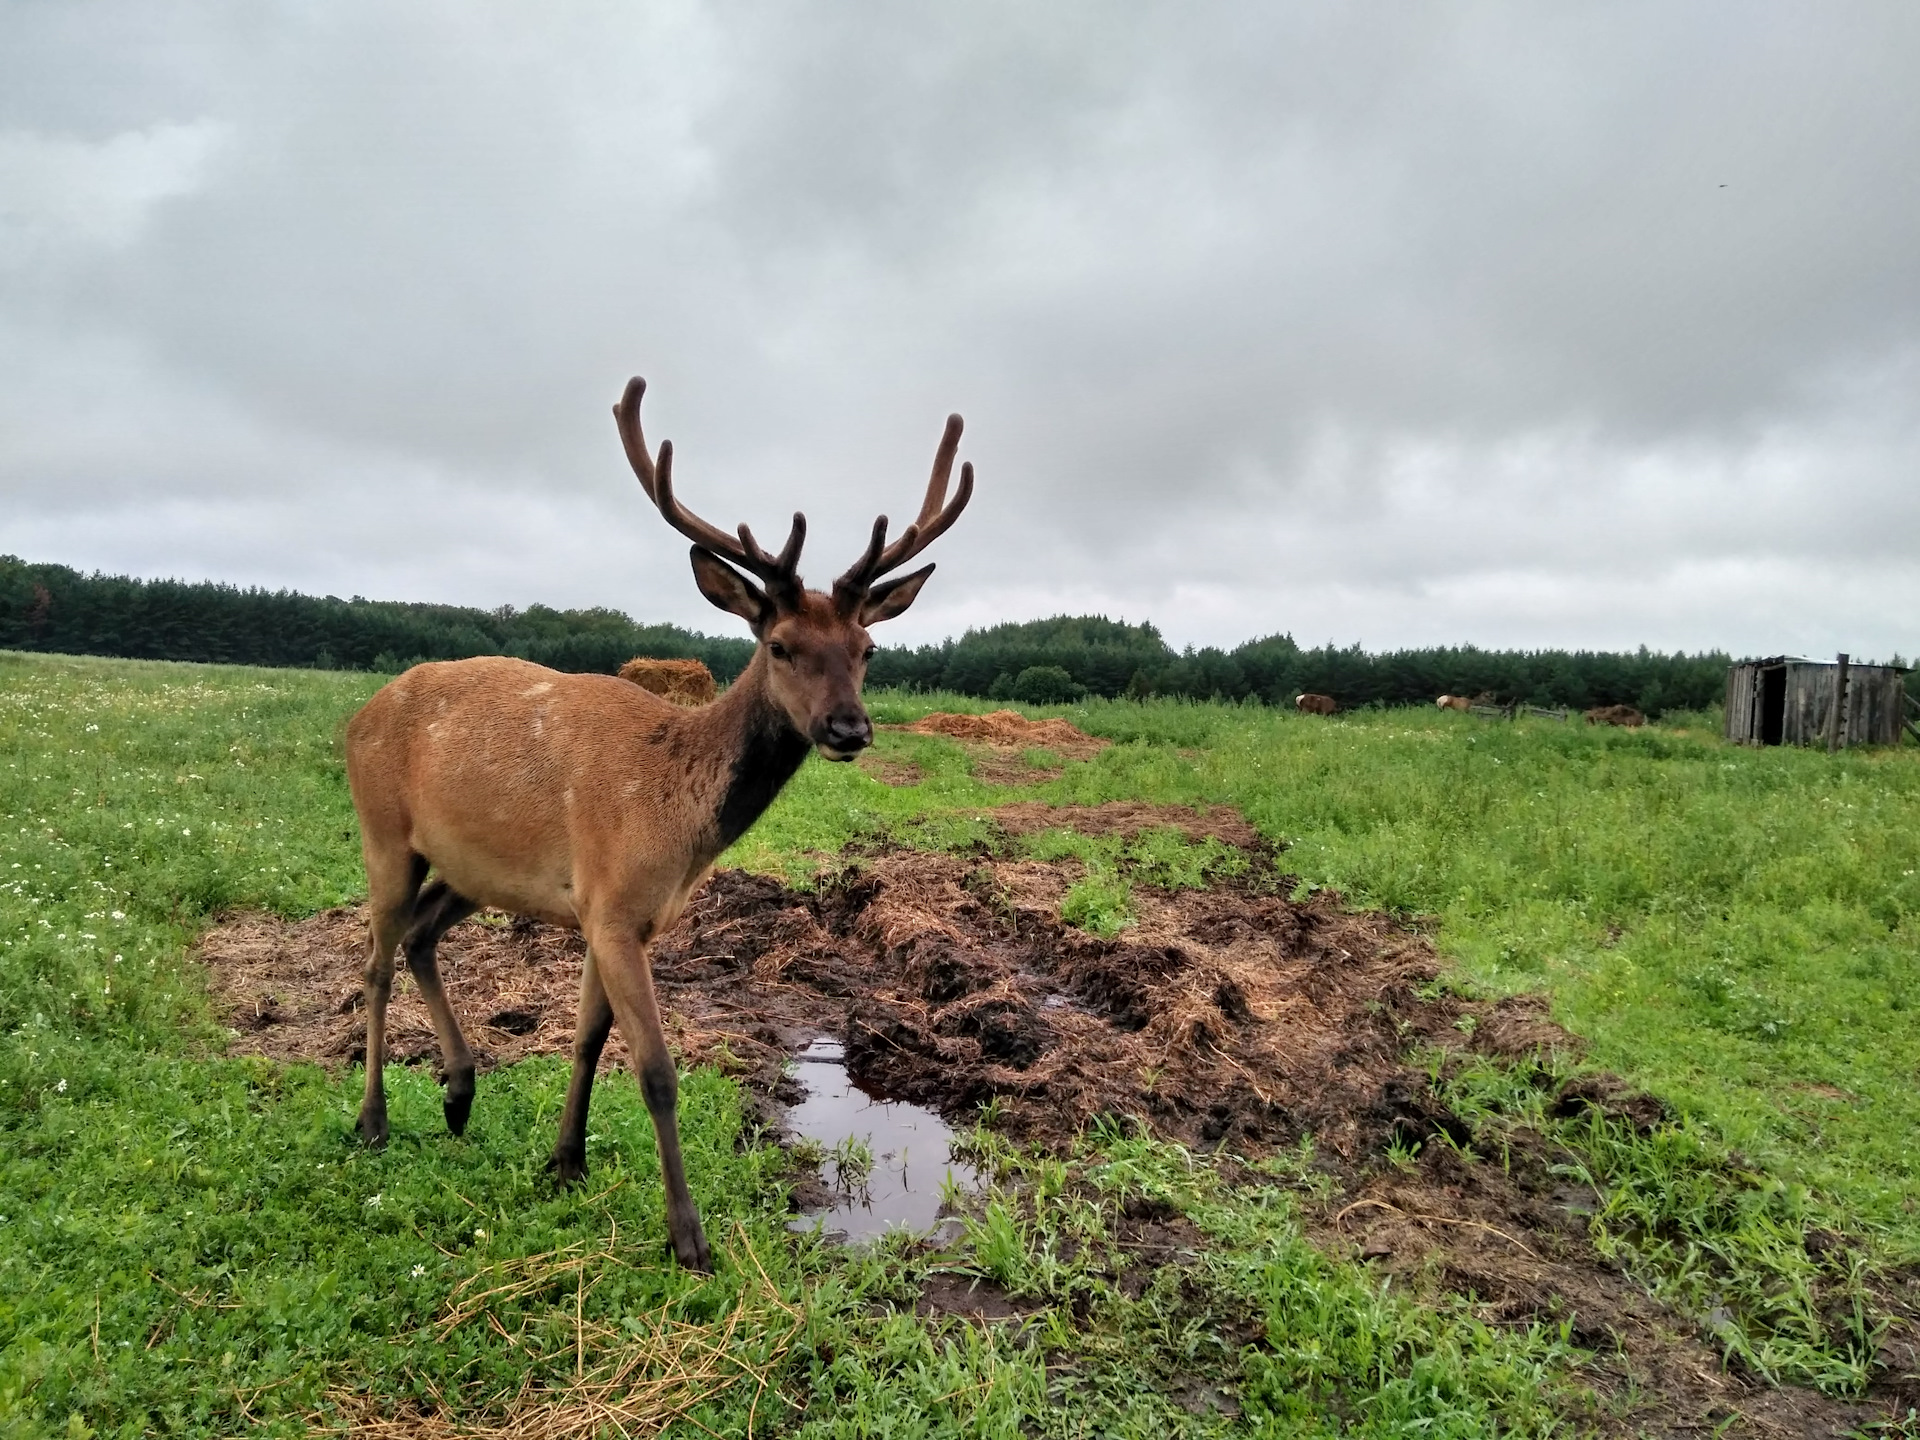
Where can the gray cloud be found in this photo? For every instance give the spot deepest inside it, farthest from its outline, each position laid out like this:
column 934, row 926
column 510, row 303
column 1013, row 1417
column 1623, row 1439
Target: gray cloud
column 1519, row 326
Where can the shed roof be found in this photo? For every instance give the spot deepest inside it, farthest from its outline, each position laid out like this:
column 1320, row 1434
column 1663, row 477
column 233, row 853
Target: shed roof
column 1829, row 664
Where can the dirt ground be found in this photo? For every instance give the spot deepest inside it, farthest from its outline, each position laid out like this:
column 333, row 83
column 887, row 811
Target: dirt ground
column 997, row 745
column 1010, row 730
column 1230, row 1018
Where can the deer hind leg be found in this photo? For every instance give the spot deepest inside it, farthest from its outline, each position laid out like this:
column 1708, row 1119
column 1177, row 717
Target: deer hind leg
column 621, row 960
column 393, row 881
column 569, row 1162
column 438, row 910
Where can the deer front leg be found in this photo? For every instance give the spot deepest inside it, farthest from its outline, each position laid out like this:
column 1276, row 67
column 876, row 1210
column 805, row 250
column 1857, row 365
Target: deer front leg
column 379, row 986
column 628, row 980
column 595, row 1020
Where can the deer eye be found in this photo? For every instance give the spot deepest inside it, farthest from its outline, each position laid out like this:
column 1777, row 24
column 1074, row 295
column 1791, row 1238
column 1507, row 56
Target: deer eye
column 778, row 651
column 871, row 651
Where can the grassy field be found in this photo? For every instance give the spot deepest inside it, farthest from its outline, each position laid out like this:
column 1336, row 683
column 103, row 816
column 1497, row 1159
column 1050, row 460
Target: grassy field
column 190, row 1244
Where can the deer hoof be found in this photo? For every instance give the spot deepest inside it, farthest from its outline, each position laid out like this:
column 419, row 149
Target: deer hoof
column 457, row 1108
column 373, row 1128
column 458, row 1104
column 692, row 1252
column 567, row 1167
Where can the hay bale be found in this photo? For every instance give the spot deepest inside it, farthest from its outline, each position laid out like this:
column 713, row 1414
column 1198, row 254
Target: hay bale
column 685, row 682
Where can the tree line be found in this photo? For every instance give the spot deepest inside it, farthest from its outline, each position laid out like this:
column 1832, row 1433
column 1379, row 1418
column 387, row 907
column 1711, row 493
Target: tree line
column 52, row 607
column 55, row 608
column 1058, row 659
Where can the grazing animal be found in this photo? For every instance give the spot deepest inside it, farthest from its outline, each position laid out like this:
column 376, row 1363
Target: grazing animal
column 1616, row 715
column 1315, row 704
column 1454, row 702
column 685, row 682
column 587, row 802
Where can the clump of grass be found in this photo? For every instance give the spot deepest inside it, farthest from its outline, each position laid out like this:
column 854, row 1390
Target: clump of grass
column 1100, row 904
column 852, row 1157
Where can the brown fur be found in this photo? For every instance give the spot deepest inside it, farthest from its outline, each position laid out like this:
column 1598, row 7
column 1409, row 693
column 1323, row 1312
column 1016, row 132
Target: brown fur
column 1616, row 715
column 685, row 682
column 592, row 803
column 1454, row 702
column 1315, row 704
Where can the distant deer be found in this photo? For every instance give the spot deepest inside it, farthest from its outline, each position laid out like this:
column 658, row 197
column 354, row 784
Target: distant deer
column 588, row 802
column 1311, row 704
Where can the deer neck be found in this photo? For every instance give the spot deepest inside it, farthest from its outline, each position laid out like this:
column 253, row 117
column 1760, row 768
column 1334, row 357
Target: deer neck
column 764, row 747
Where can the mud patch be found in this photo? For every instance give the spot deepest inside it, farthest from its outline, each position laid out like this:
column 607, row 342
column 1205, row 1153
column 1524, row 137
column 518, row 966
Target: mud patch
column 1228, row 1017
column 890, row 770
column 1512, row 1234
column 969, row 1297
column 293, row 992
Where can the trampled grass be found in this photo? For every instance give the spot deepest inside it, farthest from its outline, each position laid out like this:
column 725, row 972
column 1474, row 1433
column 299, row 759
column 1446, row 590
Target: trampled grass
column 190, row 1244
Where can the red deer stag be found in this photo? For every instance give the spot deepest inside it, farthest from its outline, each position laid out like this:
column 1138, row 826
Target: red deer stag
column 1616, row 715
column 585, row 801
column 1311, row 704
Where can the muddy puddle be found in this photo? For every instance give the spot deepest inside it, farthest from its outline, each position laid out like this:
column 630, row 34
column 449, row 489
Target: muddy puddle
column 886, row 1164
column 1228, row 1019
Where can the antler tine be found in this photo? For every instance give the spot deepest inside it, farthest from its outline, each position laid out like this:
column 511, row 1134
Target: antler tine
column 656, row 478
column 776, row 568
column 850, row 587
column 936, row 515
column 934, row 522
column 685, row 521
column 626, row 415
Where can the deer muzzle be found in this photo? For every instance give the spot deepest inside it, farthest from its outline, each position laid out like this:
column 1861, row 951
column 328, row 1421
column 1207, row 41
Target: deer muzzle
column 843, row 733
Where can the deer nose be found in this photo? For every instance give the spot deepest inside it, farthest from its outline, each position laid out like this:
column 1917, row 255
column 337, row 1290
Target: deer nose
column 847, row 731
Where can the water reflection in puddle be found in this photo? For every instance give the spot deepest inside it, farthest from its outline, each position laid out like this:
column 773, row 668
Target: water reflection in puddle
column 912, row 1151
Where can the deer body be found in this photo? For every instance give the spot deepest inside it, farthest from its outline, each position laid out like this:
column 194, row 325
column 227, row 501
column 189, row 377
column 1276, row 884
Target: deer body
column 587, row 802
column 462, row 759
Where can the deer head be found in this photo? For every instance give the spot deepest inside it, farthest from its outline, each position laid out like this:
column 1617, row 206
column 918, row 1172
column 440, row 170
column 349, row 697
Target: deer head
column 814, row 647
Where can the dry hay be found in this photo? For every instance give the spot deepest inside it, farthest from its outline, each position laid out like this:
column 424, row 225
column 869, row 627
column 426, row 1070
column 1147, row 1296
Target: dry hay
column 634, row 1378
column 685, row 682
column 1007, row 730
column 999, row 745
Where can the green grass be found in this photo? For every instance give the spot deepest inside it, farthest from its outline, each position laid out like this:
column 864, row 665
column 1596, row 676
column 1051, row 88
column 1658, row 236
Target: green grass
column 190, row 1244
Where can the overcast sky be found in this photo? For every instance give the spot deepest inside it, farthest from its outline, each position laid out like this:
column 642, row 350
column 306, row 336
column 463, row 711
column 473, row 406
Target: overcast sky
column 1521, row 324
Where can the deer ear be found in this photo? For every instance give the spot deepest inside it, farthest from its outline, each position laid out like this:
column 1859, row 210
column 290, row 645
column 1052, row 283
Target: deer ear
column 729, row 589
column 892, row 597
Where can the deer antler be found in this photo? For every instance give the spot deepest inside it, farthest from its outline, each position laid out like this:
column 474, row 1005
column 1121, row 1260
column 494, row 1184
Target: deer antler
column 936, row 515
column 778, row 571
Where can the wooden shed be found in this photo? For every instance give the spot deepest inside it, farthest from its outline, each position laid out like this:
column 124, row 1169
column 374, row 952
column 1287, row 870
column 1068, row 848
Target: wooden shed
column 1789, row 701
